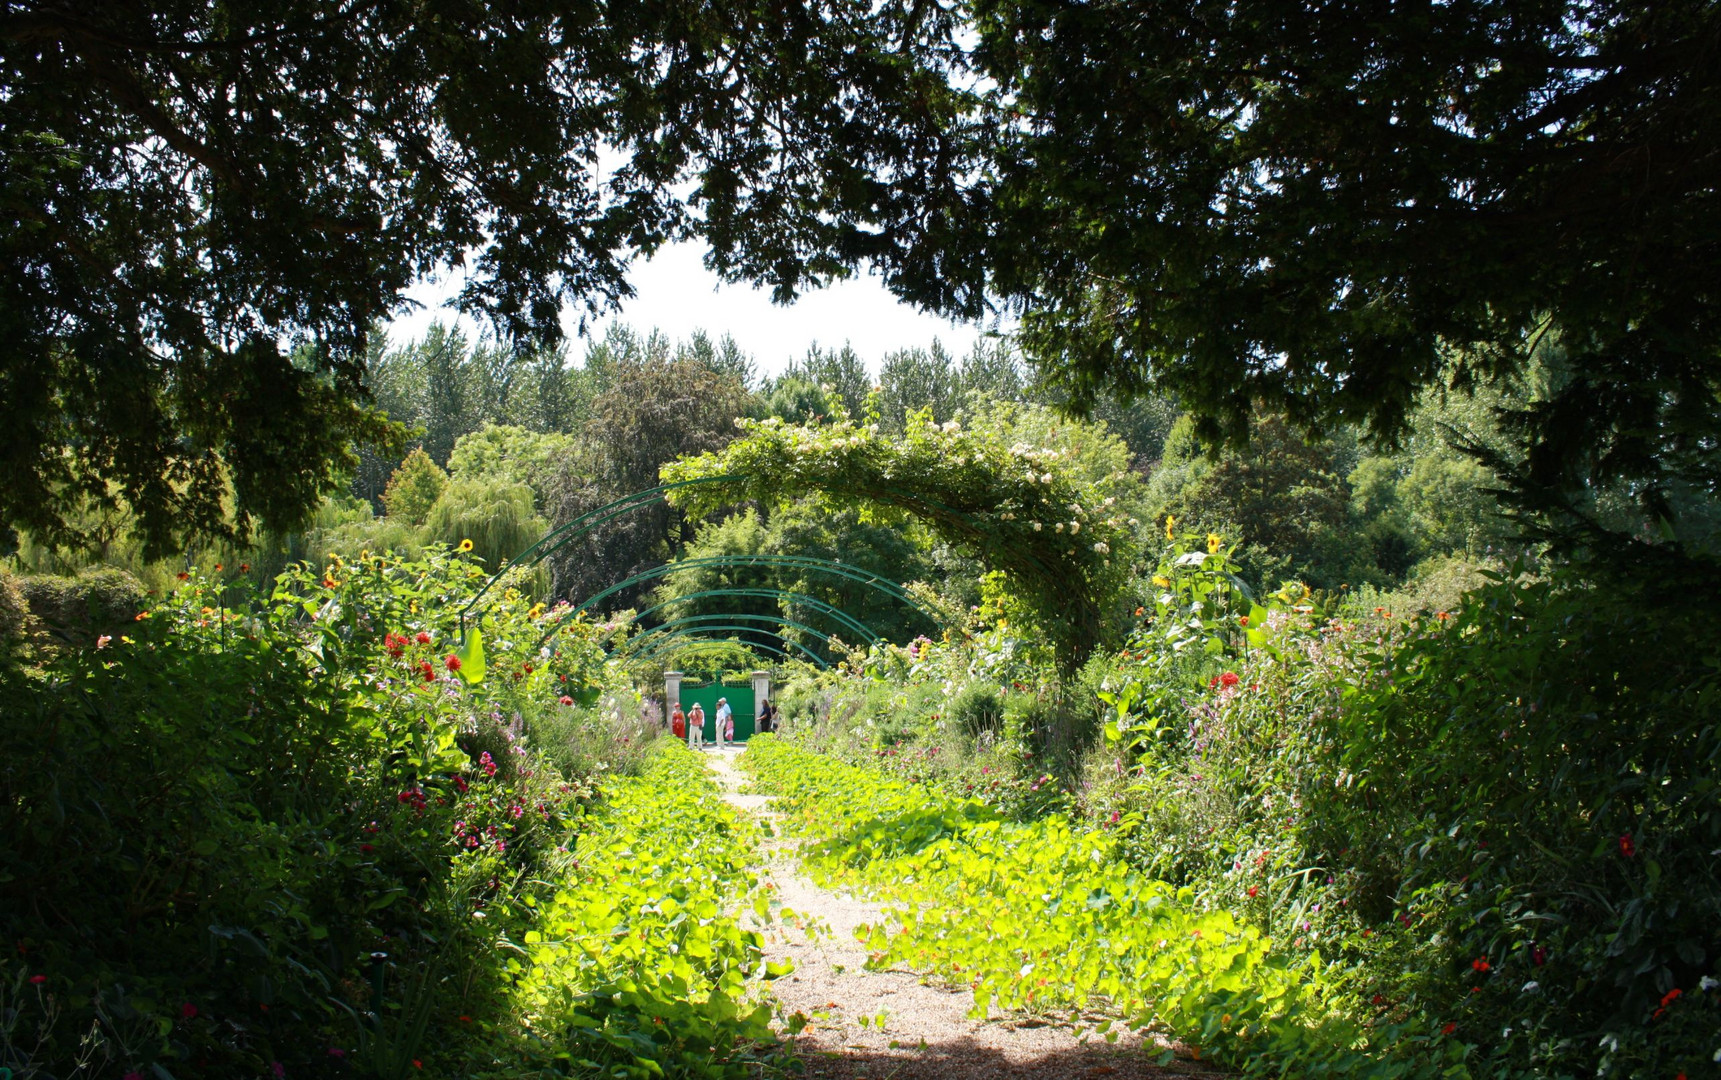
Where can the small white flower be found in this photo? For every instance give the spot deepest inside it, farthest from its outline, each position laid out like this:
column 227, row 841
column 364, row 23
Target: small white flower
column 1046, row 479
column 1103, row 548
column 1036, row 526
column 1059, row 526
column 1531, row 987
column 1709, row 982
column 1075, row 527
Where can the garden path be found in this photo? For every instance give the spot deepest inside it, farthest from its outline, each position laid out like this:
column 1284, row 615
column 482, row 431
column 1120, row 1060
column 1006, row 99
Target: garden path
column 897, row 1025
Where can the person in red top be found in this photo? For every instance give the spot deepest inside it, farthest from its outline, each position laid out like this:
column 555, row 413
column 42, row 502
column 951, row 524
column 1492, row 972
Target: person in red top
column 696, row 726
column 678, row 723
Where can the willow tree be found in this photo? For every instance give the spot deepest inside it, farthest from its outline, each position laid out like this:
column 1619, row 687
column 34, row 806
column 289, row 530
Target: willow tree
column 1063, row 544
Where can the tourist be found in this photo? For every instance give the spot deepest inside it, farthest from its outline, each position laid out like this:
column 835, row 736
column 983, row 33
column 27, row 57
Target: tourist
column 725, row 722
column 678, row 722
column 767, row 717
column 696, row 726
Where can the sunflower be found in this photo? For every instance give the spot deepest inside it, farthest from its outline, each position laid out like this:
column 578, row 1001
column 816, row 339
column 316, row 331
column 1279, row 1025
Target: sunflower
column 465, row 545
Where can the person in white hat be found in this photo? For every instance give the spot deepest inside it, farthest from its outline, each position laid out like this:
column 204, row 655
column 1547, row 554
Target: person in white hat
column 725, row 722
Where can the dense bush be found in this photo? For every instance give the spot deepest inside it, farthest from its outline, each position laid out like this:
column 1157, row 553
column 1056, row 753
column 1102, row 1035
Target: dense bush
column 14, row 614
column 289, row 835
column 77, row 610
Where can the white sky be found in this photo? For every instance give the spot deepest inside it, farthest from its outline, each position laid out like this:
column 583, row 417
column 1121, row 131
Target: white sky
column 677, row 295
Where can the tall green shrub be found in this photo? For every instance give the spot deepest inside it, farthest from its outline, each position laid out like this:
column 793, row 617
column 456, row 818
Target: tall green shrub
column 414, row 488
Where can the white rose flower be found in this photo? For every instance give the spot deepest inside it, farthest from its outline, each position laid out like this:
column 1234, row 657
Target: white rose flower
column 1060, row 526
column 1036, row 526
column 1103, row 548
column 1075, row 527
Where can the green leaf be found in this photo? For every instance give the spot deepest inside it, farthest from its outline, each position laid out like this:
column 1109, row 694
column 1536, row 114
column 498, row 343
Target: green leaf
column 471, row 654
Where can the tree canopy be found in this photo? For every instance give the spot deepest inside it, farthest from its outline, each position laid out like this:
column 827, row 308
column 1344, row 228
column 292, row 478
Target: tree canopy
column 1316, row 207
column 1304, row 211
column 191, row 188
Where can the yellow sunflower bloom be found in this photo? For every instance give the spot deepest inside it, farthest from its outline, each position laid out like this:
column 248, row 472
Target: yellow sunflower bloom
column 1213, row 542
column 1169, row 522
column 465, row 545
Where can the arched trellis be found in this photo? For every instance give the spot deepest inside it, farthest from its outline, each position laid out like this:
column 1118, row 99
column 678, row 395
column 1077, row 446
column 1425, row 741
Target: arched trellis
column 684, row 637
column 563, row 535
column 627, row 648
column 794, row 562
column 663, row 640
column 865, row 632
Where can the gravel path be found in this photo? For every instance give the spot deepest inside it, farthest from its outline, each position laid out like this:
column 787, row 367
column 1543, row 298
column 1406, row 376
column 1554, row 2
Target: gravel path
column 893, row 1025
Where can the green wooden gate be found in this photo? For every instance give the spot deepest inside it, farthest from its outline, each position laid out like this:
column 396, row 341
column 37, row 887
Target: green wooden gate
column 740, row 700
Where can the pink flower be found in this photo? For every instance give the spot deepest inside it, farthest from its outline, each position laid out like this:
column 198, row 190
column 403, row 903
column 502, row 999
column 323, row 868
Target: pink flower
column 38, row 980
column 566, row 700
column 337, row 1052
column 277, row 1068
column 1626, row 847
column 487, row 764
column 188, row 1010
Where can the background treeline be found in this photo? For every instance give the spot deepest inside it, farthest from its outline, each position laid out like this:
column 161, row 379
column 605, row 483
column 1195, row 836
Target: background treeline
column 511, row 443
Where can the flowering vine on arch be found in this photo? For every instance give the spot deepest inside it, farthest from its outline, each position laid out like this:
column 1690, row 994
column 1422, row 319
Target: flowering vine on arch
column 1017, row 508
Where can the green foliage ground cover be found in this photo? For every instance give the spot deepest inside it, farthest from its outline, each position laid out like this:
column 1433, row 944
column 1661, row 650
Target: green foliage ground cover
column 289, row 834
column 637, row 964
column 1046, row 915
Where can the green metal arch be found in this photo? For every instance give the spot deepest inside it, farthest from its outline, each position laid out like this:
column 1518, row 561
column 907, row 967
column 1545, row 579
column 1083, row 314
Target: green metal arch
column 688, row 635
column 695, row 620
column 586, row 522
column 688, row 631
column 848, row 621
column 562, row 535
column 801, row 562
